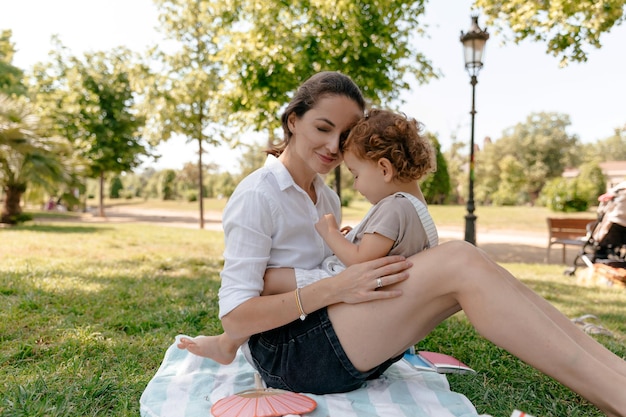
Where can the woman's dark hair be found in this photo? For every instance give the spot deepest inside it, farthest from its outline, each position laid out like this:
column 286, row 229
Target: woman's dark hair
column 386, row 134
column 320, row 85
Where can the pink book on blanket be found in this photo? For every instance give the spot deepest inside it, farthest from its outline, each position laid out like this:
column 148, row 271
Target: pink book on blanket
column 438, row 362
column 445, row 364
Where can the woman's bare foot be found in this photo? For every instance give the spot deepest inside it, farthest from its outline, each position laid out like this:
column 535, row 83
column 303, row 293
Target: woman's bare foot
column 220, row 348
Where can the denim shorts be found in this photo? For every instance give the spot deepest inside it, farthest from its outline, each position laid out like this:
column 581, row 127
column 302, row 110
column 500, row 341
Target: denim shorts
column 306, row 356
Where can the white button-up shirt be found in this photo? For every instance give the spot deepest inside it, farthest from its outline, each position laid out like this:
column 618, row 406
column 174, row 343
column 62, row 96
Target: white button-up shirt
column 269, row 223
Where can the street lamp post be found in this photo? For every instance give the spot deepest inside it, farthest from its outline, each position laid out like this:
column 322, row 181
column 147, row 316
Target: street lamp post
column 473, row 47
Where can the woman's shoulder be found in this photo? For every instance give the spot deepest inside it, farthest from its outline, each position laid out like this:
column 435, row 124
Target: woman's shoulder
column 262, row 178
column 252, row 189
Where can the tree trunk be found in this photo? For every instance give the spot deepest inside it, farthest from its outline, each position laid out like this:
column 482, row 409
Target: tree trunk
column 12, row 208
column 200, row 182
column 101, row 196
column 338, row 181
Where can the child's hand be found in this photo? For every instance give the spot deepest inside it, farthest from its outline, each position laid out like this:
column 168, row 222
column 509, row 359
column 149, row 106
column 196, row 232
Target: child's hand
column 326, row 225
column 345, row 230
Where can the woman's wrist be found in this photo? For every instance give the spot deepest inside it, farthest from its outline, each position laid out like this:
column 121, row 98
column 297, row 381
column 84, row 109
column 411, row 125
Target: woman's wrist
column 318, row 295
column 299, row 304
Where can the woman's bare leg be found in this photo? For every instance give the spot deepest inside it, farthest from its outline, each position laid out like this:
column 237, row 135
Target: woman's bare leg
column 586, row 342
column 220, row 348
column 456, row 275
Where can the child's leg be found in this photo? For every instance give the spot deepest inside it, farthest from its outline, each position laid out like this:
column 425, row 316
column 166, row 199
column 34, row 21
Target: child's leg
column 220, row 348
column 279, row 281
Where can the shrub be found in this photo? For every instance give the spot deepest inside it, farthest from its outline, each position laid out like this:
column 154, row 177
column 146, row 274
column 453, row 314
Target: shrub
column 561, row 194
column 115, row 187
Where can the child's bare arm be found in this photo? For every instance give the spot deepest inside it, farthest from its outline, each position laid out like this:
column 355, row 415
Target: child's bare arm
column 279, row 281
column 372, row 246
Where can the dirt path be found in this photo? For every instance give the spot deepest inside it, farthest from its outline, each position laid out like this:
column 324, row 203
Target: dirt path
column 126, row 214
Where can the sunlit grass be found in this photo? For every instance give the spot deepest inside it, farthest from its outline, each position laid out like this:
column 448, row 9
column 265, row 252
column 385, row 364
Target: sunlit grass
column 88, row 311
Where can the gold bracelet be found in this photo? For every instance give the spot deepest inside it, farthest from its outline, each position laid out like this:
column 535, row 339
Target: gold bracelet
column 299, row 304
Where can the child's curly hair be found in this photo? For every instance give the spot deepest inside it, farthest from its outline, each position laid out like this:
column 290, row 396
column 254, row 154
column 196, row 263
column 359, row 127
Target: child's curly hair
column 385, row 134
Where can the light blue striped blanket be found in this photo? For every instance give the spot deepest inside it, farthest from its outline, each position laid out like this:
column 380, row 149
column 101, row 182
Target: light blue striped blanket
column 186, row 385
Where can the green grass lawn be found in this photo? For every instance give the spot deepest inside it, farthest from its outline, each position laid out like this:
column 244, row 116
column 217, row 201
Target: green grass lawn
column 88, row 311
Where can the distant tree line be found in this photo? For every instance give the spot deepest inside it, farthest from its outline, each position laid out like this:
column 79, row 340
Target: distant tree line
column 523, row 167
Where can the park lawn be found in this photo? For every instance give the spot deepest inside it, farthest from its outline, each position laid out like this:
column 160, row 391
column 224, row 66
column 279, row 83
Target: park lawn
column 89, row 310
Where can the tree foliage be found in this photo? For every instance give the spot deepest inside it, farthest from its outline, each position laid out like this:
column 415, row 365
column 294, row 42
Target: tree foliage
column 11, row 77
column 456, row 161
column 540, row 149
column 567, row 25
column 612, row 148
column 436, row 187
column 251, row 159
column 275, row 45
column 26, row 156
column 575, row 194
column 184, row 79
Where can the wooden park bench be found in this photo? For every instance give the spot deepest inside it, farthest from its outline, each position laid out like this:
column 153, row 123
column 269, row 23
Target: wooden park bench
column 568, row 232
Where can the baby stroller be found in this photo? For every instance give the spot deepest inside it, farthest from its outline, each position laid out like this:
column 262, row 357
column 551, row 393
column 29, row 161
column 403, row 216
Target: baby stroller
column 606, row 241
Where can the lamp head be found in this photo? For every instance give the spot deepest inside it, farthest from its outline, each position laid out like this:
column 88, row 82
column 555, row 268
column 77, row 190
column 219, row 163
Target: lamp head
column 474, row 42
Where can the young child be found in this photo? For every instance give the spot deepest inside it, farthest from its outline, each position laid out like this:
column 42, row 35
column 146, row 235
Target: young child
column 387, row 156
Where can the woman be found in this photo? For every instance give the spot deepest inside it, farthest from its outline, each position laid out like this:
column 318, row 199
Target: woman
column 336, row 333
column 387, row 156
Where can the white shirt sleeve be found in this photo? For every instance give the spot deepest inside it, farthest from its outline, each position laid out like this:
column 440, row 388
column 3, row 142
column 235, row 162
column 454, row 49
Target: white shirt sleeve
column 247, row 251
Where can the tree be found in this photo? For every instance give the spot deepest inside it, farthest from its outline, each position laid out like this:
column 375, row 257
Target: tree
column 612, row 148
column 542, row 148
column 569, row 194
column 591, row 182
column 566, row 26
column 26, row 157
column 115, row 187
column 487, row 172
column 455, row 162
column 11, row 77
column 510, row 189
column 182, row 96
column 251, row 159
column 344, row 179
column 168, row 189
column 91, row 102
column 274, row 46
column 436, row 187
column 224, row 185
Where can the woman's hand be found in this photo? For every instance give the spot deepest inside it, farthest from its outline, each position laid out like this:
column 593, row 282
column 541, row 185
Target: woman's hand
column 372, row 280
